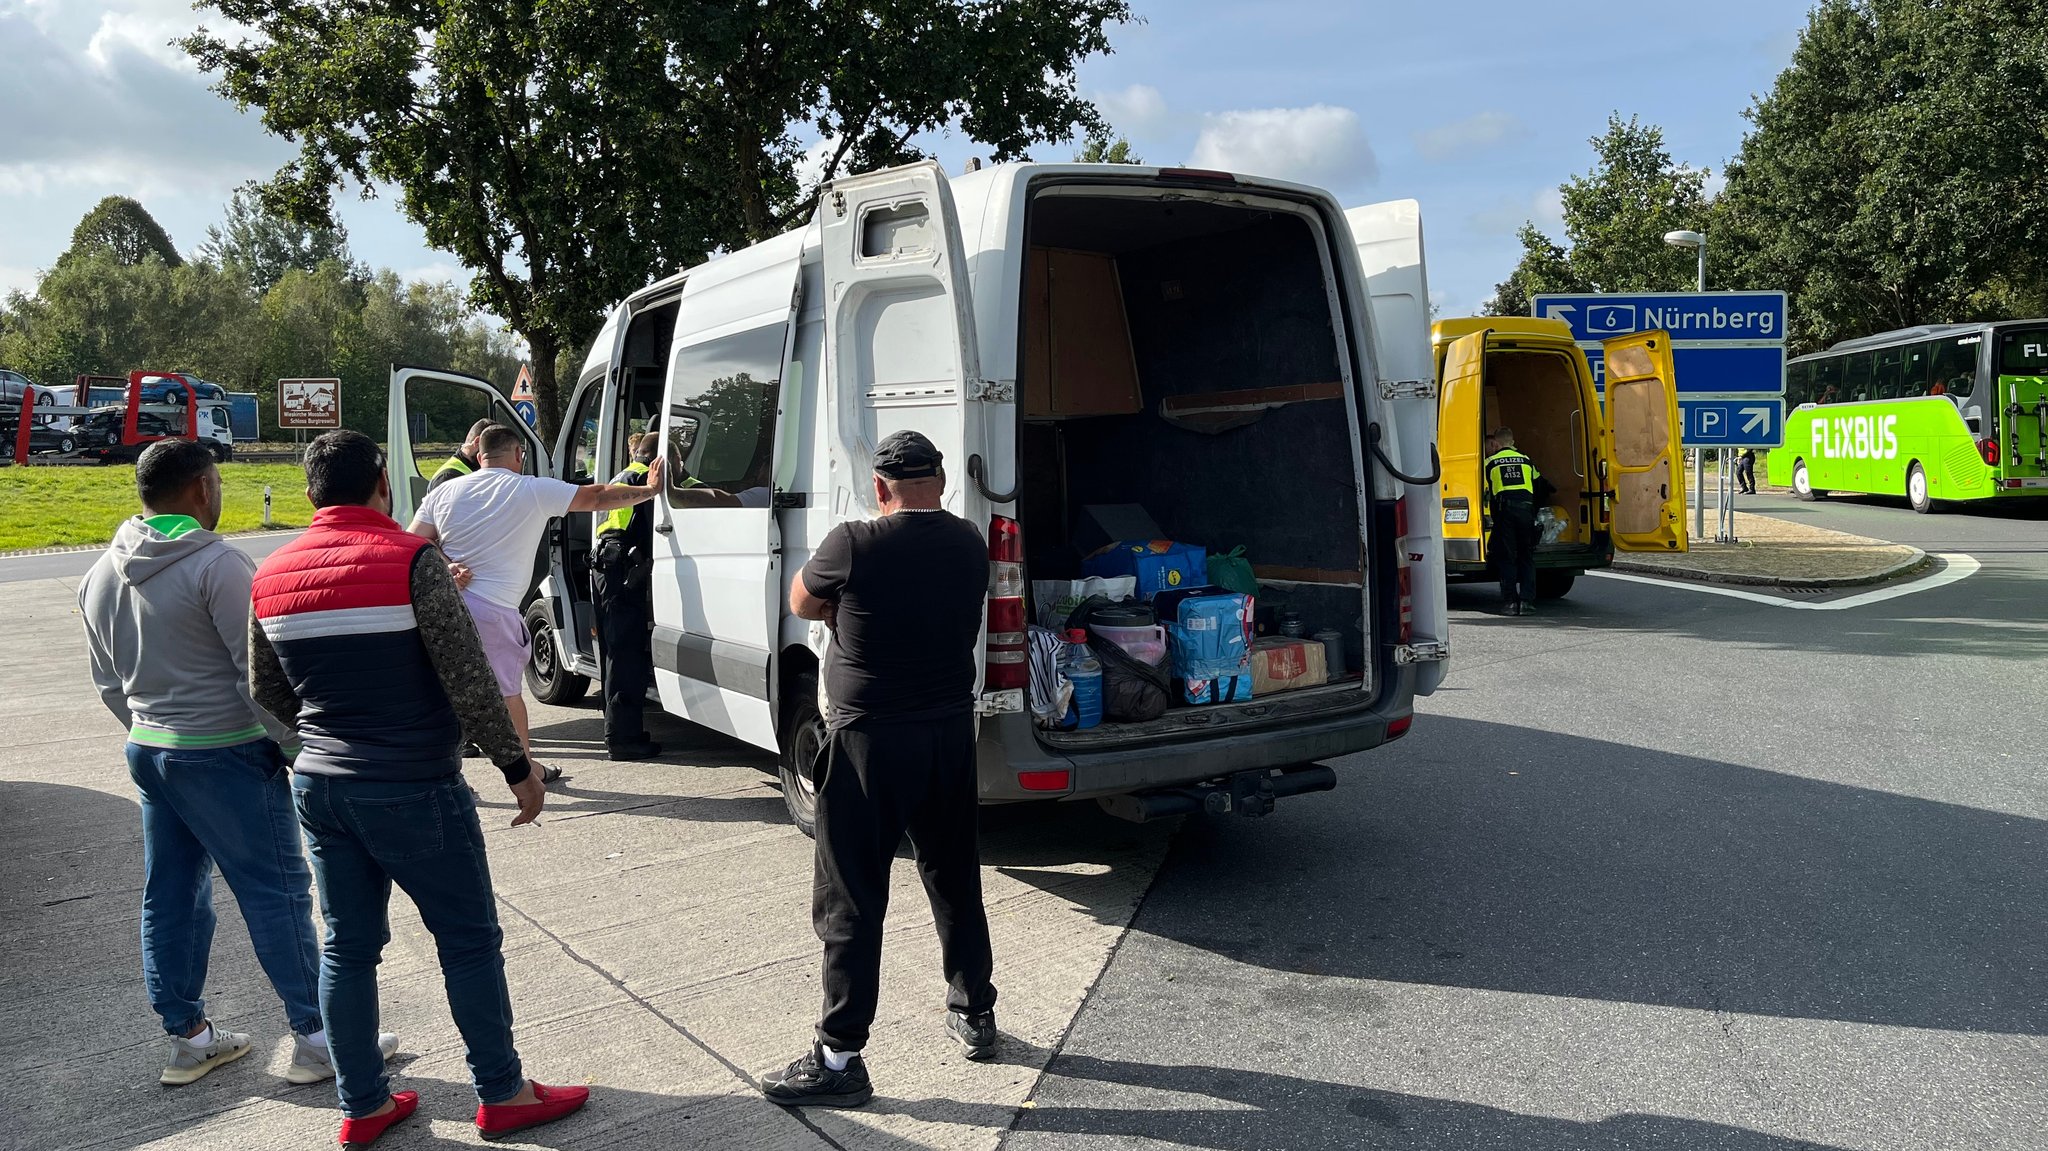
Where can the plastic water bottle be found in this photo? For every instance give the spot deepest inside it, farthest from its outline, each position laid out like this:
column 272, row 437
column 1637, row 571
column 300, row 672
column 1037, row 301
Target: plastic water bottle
column 1084, row 671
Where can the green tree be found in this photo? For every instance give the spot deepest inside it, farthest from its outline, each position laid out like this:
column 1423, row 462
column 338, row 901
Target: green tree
column 123, row 227
column 1892, row 175
column 1100, row 149
column 93, row 313
column 568, row 153
column 264, row 243
column 1615, row 218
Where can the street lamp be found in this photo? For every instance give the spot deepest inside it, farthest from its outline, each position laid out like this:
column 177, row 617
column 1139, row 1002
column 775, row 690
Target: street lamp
column 1691, row 240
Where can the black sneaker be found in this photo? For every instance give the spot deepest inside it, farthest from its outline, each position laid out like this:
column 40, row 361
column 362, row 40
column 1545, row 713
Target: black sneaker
column 632, row 751
column 1514, row 607
column 1526, row 609
column 809, row 1083
column 976, row 1034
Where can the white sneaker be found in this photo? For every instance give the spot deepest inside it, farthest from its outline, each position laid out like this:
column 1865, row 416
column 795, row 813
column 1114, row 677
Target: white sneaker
column 190, row 1062
column 311, row 1064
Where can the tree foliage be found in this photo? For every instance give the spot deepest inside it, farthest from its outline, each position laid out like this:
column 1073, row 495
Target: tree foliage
column 1893, row 174
column 568, row 152
column 124, row 229
column 1615, row 218
column 1100, row 149
column 264, row 243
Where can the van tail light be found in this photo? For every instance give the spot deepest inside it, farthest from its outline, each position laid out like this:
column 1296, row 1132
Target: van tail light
column 1403, row 581
column 1008, row 664
column 1045, row 780
column 1989, row 448
column 1399, row 727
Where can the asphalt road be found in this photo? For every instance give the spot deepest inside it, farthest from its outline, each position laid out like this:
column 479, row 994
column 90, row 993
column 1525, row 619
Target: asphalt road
column 1656, row 869
column 72, row 564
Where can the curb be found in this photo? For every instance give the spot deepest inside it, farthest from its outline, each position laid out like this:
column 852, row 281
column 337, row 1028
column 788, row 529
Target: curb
column 1904, row 566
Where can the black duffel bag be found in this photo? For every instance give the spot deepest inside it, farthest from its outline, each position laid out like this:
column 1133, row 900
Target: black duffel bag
column 1133, row 691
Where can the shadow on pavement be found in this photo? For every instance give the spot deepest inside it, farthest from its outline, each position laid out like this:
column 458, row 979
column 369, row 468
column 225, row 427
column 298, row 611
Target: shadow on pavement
column 1604, row 871
column 1256, row 1110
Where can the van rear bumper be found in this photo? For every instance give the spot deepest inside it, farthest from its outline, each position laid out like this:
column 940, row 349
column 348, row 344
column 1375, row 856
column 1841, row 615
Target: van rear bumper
column 1009, row 748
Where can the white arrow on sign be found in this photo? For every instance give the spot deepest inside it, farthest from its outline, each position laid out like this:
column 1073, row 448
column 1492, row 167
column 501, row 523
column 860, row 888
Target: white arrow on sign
column 1559, row 312
column 1755, row 420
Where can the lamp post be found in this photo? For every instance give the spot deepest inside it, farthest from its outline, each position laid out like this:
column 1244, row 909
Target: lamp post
column 1698, row 241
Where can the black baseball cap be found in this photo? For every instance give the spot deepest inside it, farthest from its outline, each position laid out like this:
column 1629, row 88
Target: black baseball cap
column 907, row 455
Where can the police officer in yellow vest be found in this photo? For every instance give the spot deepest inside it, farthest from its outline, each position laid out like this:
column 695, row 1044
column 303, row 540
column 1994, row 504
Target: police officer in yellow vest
column 463, row 462
column 1511, row 480
column 621, row 563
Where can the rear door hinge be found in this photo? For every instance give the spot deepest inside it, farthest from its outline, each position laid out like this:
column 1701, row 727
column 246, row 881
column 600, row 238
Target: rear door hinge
column 1428, row 651
column 992, row 391
column 1407, row 389
column 999, row 702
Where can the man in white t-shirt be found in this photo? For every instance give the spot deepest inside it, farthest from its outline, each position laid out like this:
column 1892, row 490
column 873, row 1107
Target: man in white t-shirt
column 492, row 522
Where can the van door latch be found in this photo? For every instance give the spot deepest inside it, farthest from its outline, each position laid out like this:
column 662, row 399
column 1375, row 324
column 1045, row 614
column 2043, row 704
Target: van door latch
column 1407, row 389
column 992, row 391
column 1428, row 651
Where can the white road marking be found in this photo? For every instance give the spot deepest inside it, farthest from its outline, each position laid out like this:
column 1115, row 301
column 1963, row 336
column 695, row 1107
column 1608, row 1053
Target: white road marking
column 1955, row 567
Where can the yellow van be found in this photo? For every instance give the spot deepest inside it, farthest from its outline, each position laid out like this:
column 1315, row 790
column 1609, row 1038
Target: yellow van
column 1618, row 473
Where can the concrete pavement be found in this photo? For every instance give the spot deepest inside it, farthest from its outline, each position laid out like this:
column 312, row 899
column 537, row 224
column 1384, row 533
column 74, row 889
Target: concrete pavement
column 657, row 936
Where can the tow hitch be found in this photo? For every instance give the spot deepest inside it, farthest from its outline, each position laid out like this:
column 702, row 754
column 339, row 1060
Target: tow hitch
column 1248, row 793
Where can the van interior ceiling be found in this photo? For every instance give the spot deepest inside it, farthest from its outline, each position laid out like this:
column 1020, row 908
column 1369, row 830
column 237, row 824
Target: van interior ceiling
column 1536, row 394
column 1180, row 354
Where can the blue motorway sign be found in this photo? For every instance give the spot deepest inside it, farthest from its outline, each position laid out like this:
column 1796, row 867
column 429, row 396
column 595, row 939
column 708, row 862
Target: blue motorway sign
column 1714, row 371
column 1751, row 317
column 527, row 412
column 1733, row 422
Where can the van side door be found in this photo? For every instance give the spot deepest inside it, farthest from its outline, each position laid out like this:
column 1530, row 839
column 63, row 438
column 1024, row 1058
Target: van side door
column 1643, row 427
column 427, row 413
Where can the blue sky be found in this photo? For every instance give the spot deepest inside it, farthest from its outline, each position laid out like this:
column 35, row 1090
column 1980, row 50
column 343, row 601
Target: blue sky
column 1477, row 109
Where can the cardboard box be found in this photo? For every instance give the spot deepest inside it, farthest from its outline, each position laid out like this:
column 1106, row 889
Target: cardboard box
column 1283, row 664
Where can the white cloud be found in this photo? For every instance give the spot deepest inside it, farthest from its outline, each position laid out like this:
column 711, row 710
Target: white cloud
column 1549, row 210
column 1134, row 109
column 1319, row 144
column 439, row 272
column 1448, row 141
column 146, row 33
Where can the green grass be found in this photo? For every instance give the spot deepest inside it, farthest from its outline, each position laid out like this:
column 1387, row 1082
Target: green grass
column 45, row 507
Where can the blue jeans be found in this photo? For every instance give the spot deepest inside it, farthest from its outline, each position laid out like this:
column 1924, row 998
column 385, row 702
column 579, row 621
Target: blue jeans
column 229, row 806
column 423, row 836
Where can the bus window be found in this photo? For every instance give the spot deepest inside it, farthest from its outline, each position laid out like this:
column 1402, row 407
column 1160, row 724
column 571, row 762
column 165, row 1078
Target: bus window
column 1798, row 384
column 1913, row 379
column 1827, row 381
column 1952, row 369
column 2023, row 353
column 1855, row 382
column 1887, row 374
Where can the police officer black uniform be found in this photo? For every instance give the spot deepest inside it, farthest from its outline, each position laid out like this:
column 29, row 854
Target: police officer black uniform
column 621, row 562
column 1511, row 480
column 903, row 595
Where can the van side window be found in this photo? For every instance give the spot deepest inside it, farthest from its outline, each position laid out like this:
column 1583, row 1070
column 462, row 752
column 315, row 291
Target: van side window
column 895, row 230
column 721, row 418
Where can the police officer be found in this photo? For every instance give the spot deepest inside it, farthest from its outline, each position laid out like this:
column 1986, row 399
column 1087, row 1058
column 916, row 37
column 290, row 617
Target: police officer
column 903, row 595
column 1511, row 480
column 623, row 559
column 463, row 461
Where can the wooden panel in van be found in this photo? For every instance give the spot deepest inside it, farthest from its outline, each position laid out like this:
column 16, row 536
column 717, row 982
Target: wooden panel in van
column 1076, row 340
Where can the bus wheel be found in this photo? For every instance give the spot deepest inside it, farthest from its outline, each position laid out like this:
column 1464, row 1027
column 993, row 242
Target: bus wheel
column 1554, row 584
column 549, row 681
column 804, row 740
column 1916, row 489
column 1802, row 484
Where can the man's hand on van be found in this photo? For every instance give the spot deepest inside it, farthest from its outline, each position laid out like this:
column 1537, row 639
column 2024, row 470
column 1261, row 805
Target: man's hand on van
column 531, row 794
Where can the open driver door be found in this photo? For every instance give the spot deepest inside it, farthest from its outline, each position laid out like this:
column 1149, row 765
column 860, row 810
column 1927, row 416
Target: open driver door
column 1644, row 437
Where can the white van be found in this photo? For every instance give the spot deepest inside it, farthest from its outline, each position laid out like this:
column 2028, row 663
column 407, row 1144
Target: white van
column 1073, row 337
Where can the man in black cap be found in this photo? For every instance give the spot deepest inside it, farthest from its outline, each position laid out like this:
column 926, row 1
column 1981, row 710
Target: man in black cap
column 903, row 595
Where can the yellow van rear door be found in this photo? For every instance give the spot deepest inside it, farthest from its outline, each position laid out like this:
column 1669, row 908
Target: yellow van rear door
column 1457, row 434
column 1642, row 420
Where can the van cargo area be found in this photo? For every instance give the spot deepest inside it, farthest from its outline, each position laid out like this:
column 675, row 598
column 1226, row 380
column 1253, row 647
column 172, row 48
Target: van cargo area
column 1536, row 394
column 1181, row 366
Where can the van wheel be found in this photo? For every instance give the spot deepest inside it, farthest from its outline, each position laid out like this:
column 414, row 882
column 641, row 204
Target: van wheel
column 803, row 750
column 1802, row 484
column 546, row 678
column 1916, row 489
column 1554, row 584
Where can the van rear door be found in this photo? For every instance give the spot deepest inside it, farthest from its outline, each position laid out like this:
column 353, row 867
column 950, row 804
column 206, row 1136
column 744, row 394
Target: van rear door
column 1458, row 436
column 899, row 332
column 430, row 411
column 1644, row 432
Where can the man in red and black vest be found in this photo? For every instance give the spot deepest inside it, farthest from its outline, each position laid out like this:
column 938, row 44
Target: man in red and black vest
column 359, row 639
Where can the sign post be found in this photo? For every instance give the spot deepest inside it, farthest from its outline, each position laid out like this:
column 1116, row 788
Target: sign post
column 1728, row 349
column 309, row 404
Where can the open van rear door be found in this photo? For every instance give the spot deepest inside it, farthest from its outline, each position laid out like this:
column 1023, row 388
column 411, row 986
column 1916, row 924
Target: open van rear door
column 429, row 412
column 1644, row 431
column 1458, row 430
column 899, row 334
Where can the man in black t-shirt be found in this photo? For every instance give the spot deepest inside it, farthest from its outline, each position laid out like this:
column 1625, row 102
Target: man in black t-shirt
column 904, row 596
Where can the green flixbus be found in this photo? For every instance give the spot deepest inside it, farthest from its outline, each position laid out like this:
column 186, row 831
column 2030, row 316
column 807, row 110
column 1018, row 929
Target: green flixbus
column 1948, row 412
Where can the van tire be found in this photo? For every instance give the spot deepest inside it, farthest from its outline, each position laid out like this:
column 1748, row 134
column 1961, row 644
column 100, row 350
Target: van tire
column 1916, row 489
column 803, row 743
column 1554, row 584
column 546, row 678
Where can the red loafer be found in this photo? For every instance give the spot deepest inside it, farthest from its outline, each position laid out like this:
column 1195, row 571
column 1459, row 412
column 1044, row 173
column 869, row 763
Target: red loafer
column 363, row 1132
column 494, row 1120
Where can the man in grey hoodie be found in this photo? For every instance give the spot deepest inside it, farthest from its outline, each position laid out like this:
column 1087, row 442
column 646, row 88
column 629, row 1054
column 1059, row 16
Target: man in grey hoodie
column 166, row 613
